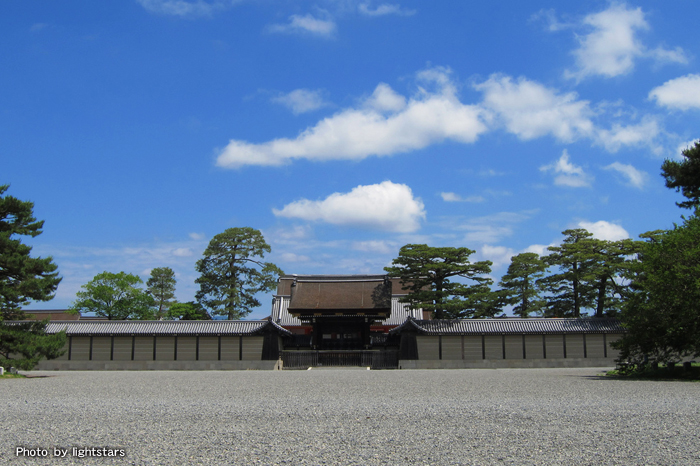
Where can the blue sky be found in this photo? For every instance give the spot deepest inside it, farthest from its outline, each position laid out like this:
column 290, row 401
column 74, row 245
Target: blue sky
column 342, row 129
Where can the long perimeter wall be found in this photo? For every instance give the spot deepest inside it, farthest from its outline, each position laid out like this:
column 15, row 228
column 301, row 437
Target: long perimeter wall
column 493, row 351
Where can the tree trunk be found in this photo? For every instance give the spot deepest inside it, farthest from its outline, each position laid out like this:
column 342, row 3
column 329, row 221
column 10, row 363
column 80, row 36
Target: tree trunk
column 600, row 308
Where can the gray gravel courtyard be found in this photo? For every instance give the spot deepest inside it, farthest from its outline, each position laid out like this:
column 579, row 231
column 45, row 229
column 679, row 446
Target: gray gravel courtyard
column 504, row 416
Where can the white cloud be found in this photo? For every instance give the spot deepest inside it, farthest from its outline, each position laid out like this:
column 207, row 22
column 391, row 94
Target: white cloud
column 386, row 206
column 307, row 24
column 612, row 46
column 301, row 100
column 491, row 228
column 183, row 8
column 182, row 252
column 382, row 247
column 530, row 110
column 642, row 134
column 566, row 173
column 381, row 126
column 452, row 197
column 550, row 18
column 681, row 93
column 384, row 9
column 499, row 255
column 291, row 257
column 605, row 230
column 197, row 236
column 385, row 100
column 539, row 249
column 678, row 154
column 633, row 176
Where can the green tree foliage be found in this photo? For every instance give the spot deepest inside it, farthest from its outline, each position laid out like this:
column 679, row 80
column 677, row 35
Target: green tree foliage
column 161, row 285
column 684, row 176
column 24, row 344
column 567, row 294
column 117, row 296
column 23, row 278
column 232, row 272
column 592, row 274
column 608, row 276
column 427, row 273
column 663, row 314
column 519, row 284
column 188, row 311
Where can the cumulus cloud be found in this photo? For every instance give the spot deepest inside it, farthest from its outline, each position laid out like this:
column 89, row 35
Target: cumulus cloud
column 307, row 24
column 612, row 45
column 605, row 230
column 680, row 94
column 184, row 8
column 384, row 9
column 385, row 206
column 452, row 197
column 384, row 124
column 530, row 110
column 301, row 100
column 499, row 255
column 566, row 173
column 632, row 176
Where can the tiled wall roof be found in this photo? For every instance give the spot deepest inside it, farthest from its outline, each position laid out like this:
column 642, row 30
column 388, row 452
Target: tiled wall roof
column 512, row 326
column 161, row 327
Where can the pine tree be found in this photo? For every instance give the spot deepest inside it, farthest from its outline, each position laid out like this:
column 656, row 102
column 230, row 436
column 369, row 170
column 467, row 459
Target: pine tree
column 519, row 284
column 161, row 285
column 232, row 272
column 428, row 273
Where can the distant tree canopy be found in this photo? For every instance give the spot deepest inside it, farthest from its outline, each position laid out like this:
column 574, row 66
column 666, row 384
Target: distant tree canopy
column 188, row 311
column 116, row 296
column 519, row 284
column 684, row 176
column 590, row 274
column 429, row 273
column 23, row 278
column 161, row 285
column 232, row 272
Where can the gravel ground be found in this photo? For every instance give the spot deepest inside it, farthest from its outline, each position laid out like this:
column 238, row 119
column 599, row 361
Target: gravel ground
column 356, row 417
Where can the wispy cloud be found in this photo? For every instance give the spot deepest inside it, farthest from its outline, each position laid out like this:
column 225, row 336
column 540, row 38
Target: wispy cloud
column 186, row 9
column 491, row 228
column 631, row 175
column 566, row 173
column 452, row 197
column 384, row 9
column 36, row 27
column 301, row 100
column 612, row 45
column 384, row 124
column 679, row 94
column 307, row 24
column 386, row 206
